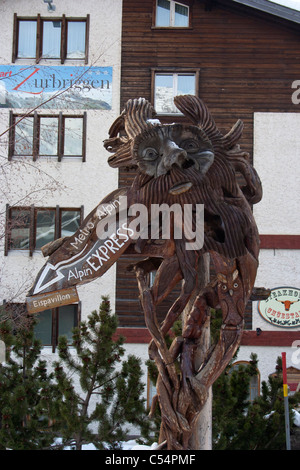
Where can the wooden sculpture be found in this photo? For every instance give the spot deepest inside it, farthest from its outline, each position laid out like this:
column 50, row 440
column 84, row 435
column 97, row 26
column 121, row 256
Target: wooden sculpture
column 191, row 164
column 187, row 164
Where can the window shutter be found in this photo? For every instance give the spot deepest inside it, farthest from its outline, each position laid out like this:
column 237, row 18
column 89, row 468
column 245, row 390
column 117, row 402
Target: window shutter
column 57, row 223
column 39, row 39
column 78, row 312
column 54, row 315
column 35, row 148
column 11, row 138
column 32, row 231
column 60, row 136
column 63, row 40
column 7, row 236
column 87, row 30
column 84, row 136
column 15, row 39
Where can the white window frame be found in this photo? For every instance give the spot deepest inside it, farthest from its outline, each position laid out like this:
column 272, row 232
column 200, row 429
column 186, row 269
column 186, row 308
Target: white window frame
column 175, row 74
column 35, row 139
column 32, row 224
column 39, row 40
column 172, row 15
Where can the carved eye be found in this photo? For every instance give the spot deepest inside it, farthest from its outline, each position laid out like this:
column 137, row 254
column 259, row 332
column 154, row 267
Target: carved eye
column 224, row 287
column 190, row 145
column 235, row 285
column 149, row 153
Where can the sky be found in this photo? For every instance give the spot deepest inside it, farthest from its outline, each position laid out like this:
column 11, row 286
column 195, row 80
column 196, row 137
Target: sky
column 295, row 4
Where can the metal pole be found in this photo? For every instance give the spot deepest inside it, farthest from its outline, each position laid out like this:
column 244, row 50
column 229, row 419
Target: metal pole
column 286, row 402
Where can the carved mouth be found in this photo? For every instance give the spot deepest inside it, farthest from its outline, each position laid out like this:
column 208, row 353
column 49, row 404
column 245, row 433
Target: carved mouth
column 180, row 188
column 189, row 163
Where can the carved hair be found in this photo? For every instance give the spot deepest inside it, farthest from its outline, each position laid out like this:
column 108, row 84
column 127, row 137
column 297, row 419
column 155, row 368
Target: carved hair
column 138, row 116
column 134, row 119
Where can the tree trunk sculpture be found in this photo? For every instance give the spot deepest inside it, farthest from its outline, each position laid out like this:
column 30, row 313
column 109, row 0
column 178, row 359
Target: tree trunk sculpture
column 191, row 164
column 188, row 167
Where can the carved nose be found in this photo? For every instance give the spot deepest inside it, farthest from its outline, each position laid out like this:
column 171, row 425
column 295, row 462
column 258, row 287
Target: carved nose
column 173, row 155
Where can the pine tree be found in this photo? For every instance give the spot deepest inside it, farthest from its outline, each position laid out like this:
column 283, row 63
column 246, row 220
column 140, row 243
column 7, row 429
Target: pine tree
column 111, row 390
column 230, row 401
column 241, row 425
column 26, row 392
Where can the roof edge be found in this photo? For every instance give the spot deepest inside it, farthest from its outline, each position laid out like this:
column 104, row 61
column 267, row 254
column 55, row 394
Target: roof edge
column 272, row 8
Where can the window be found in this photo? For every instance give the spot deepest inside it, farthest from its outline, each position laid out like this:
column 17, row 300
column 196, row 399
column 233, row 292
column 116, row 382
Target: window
column 56, row 322
column 171, row 14
column 51, row 39
column 47, row 136
column 19, row 229
column 76, row 39
column 167, row 84
column 73, row 136
column 27, row 39
column 23, row 144
column 45, row 38
column 50, row 324
column 30, row 228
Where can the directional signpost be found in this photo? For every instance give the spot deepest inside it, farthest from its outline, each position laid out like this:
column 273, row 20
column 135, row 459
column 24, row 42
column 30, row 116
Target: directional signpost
column 38, row 303
column 102, row 237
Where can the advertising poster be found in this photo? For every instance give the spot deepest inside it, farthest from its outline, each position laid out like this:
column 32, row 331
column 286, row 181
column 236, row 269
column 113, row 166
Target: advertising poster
column 55, row 87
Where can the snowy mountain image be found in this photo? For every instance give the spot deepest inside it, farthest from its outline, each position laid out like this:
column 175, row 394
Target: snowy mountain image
column 55, row 87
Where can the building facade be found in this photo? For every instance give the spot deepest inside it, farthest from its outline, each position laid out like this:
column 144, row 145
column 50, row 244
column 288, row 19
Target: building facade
column 60, row 92
column 65, row 76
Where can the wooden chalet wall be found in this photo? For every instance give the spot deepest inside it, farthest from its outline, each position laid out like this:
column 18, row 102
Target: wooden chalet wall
column 247, row 60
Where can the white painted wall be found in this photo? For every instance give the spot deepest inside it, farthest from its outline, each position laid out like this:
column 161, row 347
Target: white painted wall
column 277, row 161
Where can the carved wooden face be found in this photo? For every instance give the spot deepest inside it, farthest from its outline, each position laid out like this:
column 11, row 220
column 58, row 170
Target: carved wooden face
column 159, row 148
column 230, row 282
column 231, row 297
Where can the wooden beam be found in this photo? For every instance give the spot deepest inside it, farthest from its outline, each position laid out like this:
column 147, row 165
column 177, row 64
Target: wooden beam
column 249, row 338
column 284, row 242
column 269, row 338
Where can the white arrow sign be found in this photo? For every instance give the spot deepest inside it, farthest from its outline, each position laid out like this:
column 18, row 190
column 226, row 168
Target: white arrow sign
column 40, row 286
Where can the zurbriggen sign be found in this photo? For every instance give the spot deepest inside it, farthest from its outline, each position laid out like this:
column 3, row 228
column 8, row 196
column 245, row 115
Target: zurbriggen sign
column 28, row 86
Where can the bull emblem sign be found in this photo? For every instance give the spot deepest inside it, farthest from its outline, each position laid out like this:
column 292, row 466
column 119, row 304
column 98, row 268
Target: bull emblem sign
column 209, row 183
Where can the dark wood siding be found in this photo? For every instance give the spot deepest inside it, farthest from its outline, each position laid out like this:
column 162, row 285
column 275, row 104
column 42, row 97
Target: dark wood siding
column 247, row 64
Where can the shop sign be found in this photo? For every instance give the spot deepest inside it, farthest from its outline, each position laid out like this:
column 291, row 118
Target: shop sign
column 55, row 87
column 53, row 299
column 282, row 307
